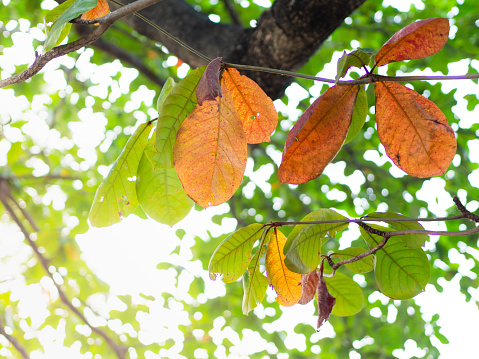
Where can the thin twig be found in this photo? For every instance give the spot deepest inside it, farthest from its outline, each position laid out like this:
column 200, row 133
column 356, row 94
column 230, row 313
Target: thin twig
column 233, row 13
column 14, row 341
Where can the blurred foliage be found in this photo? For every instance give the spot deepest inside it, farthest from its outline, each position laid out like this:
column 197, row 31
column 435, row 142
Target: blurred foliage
column 54, row 176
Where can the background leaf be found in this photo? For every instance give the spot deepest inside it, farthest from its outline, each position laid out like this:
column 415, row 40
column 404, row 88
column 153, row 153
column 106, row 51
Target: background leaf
column 362, row 266
column 116, row 197
column 171, row 114
column 401, row 272
column 413, row 130
column 314, row 141
column 232, row 257
column 254, row 107
column 210, row 151
column 285, row 283
column 415, row 41
column 348, row 294
column 159, row 190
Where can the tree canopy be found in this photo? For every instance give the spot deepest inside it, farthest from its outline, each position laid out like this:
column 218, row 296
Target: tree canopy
column 315, row 125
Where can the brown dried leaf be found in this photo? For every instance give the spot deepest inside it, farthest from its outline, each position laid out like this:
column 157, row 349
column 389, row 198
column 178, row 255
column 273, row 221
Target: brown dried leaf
column 325, row 301
column 309, row 282
column 209, row 87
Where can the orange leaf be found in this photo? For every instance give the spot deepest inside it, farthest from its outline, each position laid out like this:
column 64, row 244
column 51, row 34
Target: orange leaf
column 285, row 283
column 255, row 108
column 415, row 41
column 318, row 135
column 210, row 151
column 413, row 130
column 100, row 10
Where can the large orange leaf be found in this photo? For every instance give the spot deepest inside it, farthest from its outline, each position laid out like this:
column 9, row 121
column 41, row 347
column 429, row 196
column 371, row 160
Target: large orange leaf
column 413, row 130
column 415, row 41
column 318, row 135
column 255, row 108
column 210, row 151
column 100, row 10
column 285, row 283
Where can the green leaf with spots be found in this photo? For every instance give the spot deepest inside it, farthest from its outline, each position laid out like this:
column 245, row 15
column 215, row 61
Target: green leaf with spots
column 171, row 113
column 360, row 112
column 232, row 257
column 116, row 197
column 159, row 190
column 254, row 282
column 401, row 272
column 411, row 240
column 303, row 247
column 361, row 266
column 348, row 294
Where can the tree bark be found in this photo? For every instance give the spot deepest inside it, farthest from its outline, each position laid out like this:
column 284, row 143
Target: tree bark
column 285, row 36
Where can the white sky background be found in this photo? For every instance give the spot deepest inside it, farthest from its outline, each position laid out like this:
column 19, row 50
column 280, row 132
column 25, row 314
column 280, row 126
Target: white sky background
column 153, row 241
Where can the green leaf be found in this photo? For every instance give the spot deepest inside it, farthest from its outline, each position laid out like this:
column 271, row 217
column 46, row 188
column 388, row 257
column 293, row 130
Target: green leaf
column 68, row 13
column 362, row 266
column 159, row 190
column 232, row 257
column 401, row 272
column 360, row 112
column 356, row 58
column 411, row 240
column 116, row 197
column 171, row 114
column 254, row 283
column 165, row 91
column 303, row 246
column 57, row 11
column 348, row 294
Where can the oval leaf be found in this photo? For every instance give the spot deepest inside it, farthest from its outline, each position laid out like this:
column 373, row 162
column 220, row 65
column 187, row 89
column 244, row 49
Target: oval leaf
column 116, row 197
column 361, row 266
column 171, row 113
column 159, row 190
column 232, row 256
column 285, row 283
column 314, row 140
column 348, row 294
column 414, row 132
column 303, row 246
column 415, row 41
column 254, row 107
column 401, row 272
column 210, row 151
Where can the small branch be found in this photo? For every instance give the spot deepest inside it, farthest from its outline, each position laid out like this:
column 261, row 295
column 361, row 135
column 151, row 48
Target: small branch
column 464, row 211
column 13, row 340
column 233, row 13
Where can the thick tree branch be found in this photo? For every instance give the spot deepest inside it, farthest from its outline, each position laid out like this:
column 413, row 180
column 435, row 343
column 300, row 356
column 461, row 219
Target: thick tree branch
column 14, row 341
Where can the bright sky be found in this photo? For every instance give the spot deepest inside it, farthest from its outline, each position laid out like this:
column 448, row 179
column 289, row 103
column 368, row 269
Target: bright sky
column 132, row 269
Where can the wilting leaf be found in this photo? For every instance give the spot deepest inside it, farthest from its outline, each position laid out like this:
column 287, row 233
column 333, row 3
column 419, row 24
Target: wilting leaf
column 348, row 294
column 413, row 130
column 309, row 284
column 159, row 190
column 303, row 246
column 254, row 107
column 232, row 256
column 359, row 115
column 173, row 110
column 165, row 91
column 411, row 240
column 356, row 58
column 326, row 301
column 284, row 282
column 100, row 10
column 68, row 13
column 361, row 266
column 415, row 41
column 210, row 151
column 254, row 283
column 116, row 197
column 401, row 272
column 209, row 87
column 316, row 138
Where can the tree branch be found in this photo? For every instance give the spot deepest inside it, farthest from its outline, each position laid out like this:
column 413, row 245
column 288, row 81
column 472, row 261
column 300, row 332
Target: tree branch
column 13, row 340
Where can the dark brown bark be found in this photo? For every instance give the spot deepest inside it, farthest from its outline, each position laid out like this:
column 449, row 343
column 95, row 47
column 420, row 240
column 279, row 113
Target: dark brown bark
column 285, row 37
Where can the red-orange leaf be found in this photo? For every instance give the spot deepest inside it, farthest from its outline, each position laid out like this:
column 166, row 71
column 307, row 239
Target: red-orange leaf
column 413, row 130
column 318, row 135
column 285, row 283
column 210, row 151
column 255, row 108
column 100, row 10
column 415, row 41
